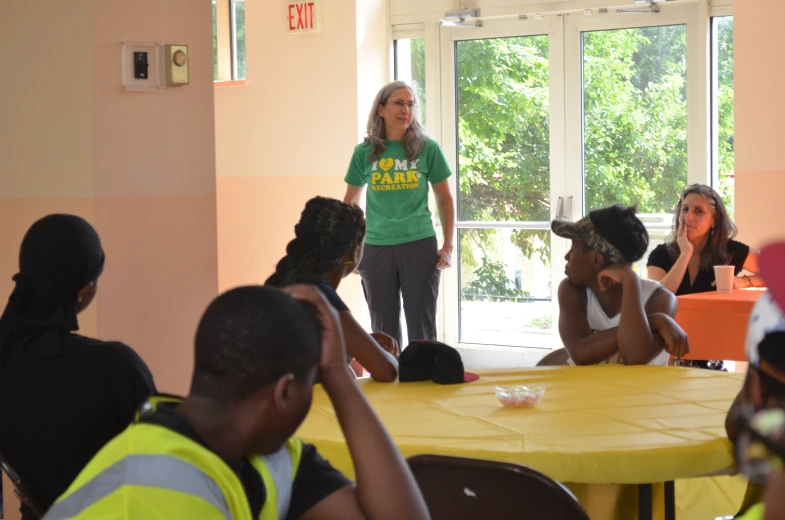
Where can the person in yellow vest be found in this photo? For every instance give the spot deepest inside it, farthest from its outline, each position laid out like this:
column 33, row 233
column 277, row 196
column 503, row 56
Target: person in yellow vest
column 764, row 384
column 227, row 450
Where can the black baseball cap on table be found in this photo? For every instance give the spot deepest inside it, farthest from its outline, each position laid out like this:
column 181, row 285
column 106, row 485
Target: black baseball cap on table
column 432, row 361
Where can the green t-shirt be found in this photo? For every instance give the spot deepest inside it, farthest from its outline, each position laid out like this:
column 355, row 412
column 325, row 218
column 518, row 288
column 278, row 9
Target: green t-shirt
column 397, row 201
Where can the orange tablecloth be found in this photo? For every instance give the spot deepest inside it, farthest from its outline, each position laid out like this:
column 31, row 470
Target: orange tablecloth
column 716, row 324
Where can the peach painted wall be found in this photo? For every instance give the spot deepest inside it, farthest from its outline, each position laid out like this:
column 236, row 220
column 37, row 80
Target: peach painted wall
column 760, row 120
column 154, row 166
column 288, row 134
column 139, row 166
column 256, row 218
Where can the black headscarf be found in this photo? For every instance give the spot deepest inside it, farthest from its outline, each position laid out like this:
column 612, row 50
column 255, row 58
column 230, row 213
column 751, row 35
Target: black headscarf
column 60, row 255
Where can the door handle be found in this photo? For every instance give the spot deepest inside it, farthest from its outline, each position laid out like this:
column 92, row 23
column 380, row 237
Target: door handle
column 560, row 209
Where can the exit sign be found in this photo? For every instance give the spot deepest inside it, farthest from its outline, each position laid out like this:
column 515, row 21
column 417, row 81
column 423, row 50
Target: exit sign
column 304, row 16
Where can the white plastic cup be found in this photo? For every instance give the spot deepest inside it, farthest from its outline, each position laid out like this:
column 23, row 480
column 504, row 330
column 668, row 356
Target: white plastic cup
column 723, row 274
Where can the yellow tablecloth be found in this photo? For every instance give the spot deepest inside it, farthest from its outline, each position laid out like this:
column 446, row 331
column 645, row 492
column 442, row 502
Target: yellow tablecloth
column 607, row 424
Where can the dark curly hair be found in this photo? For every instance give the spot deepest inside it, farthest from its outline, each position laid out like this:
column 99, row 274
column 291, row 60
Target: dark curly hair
column 328, row 229
column 248, row 338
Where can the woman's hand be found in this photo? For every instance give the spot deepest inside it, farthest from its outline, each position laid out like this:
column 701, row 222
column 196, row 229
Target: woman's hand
column 445, row 258
column 685, row 246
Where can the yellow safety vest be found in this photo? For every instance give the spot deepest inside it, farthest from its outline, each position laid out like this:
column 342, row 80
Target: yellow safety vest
column 152, row 472
column 753, row 513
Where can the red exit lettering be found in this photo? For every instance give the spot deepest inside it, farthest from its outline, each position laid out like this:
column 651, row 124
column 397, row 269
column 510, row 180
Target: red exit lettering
column 301, row 16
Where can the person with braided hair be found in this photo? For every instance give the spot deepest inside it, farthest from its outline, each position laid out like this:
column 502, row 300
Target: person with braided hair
column 327, row 247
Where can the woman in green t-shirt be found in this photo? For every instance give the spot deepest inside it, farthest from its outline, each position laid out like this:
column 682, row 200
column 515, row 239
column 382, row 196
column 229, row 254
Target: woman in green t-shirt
column 397, row 161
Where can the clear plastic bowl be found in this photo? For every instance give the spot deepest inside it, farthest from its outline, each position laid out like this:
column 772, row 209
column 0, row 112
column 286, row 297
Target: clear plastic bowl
column 520, row 396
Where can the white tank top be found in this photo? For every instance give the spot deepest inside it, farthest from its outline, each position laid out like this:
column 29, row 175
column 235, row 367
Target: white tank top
column 598, row 320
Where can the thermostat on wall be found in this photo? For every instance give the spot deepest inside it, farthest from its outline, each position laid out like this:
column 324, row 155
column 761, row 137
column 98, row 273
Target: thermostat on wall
column 176, row 64
column 143, row 66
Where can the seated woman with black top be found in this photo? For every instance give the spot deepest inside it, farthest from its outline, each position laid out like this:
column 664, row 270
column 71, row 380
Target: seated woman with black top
column 703, row 238
column 62, row 395
column 327, row 247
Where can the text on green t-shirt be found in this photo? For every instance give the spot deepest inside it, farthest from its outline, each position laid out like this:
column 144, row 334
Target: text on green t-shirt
column 397, row 199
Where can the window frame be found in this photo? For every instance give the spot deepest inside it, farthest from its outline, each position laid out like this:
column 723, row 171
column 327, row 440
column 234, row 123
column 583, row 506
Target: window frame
column 553, row 27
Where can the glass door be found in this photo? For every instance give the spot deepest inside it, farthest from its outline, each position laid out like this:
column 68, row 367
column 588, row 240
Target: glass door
column 631, row 131
column 503, row 114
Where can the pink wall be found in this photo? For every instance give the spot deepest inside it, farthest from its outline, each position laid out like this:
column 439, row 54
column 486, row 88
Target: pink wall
column 256, row 218
column 154, row 168
column 139, row 166
column 760, row 120
column 289, row 133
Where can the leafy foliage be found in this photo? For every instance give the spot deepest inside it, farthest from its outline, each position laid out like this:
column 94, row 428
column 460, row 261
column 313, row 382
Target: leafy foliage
column 491, row 283
column 634, row 131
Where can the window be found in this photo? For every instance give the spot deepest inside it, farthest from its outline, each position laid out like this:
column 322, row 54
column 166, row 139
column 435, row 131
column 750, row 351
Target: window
column 238, row 39
column 229, row 61
column 503, row 191
column 722, row 108
column 635, row 122
column 409, row 60
column 552, row 117
column 215, row 45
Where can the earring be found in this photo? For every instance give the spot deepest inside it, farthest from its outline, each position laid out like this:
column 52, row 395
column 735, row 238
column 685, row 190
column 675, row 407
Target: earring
column 350, row 262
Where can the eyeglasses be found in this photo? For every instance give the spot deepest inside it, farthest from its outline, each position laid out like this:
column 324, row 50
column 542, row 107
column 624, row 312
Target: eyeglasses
column 760, row 446
column 400, row 104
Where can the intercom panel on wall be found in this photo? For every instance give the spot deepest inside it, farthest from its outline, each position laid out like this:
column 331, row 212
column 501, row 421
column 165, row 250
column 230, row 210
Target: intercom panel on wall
column 143, row 66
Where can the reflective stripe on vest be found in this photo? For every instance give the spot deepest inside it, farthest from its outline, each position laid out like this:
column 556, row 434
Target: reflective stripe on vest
column 278, row 471
column 156, row 471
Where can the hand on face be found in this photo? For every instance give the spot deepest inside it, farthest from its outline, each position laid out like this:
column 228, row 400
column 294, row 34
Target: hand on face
column 614, row 274
column 333, row 360
column 684, row 243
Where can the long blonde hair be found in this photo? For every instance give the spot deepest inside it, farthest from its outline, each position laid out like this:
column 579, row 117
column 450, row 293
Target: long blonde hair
column 413, row 140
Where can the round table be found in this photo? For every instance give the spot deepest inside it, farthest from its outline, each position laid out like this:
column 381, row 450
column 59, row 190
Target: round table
column 606, row 424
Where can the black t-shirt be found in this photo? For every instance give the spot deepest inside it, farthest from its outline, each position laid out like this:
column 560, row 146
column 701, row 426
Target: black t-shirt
column 332, row 296
column 660, row 257
column 316, row 479
column 57, row 412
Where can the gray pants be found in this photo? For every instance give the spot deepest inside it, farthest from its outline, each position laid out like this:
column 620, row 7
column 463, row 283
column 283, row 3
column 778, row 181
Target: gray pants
column 408, row 269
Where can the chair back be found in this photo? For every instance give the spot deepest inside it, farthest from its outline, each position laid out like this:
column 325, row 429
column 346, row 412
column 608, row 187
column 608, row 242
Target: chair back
column 21, row 491
column 558, row 357
column 457, row 488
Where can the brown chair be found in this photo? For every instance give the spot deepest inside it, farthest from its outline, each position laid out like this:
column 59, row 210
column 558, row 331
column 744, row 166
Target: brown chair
column 558, row 357
column 21, row 491
column 457, row 488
